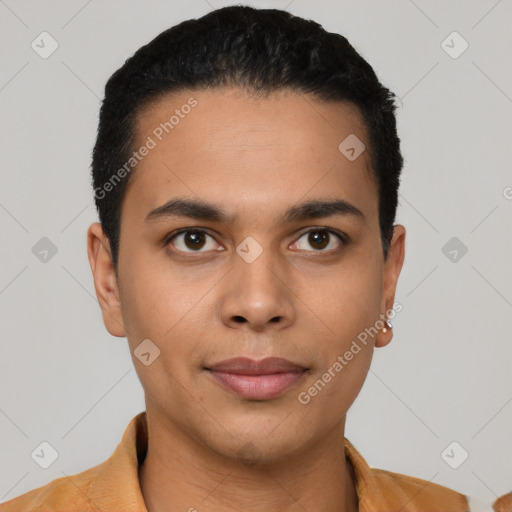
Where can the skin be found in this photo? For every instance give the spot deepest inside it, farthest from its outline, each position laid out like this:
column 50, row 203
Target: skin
column 255, row 158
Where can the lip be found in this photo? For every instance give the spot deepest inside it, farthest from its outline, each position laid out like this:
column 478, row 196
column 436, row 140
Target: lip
column 257, row 380
column 248, row 366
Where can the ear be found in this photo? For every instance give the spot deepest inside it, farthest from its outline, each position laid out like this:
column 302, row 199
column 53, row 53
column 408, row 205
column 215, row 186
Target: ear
column 105, row 281
column 392, row 268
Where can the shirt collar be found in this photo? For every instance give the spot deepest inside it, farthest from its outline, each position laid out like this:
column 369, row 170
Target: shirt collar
column 121, row 472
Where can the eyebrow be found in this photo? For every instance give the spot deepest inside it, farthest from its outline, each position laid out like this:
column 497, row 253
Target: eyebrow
column 201, row 210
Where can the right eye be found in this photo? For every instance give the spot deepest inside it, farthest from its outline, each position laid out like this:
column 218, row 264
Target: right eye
column 190, row 240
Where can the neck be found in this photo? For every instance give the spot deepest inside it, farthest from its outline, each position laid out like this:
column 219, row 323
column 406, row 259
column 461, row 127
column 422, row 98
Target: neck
column 180, row 474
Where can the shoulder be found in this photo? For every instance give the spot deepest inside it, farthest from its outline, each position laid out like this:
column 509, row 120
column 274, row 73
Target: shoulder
column 390, row 491
column 380, row 489
column 504, row 503
column 69, row 491
column 111, row 485
column 415, row 494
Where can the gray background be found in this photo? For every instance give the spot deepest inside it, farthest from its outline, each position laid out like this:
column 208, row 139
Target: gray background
column 445, row 377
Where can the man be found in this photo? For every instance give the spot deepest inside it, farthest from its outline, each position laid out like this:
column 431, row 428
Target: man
column 246, row 173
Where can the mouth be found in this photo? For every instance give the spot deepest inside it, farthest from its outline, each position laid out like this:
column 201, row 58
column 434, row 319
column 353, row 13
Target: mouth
column 257, row 380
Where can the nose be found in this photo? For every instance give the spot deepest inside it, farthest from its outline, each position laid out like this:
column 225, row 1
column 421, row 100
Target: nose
column 257, row 295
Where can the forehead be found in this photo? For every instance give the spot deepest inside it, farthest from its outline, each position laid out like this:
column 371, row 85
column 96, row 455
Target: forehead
column 224, row 145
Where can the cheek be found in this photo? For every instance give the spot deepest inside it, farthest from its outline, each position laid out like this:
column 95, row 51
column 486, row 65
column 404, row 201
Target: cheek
column 153, row 299
column 349, row 300
column 168, row 312
column 330, row 392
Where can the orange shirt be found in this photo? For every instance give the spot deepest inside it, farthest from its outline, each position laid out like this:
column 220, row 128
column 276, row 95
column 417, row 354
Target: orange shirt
column 113, row 486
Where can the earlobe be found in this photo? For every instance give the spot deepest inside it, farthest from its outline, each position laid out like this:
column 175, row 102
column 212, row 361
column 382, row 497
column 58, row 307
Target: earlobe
column 385, row 335
column 105, row 282
column 392, row 268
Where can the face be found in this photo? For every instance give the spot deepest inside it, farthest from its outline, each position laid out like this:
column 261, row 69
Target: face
column 248, row 270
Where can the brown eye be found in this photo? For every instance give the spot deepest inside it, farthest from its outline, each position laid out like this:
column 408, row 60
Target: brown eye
column 319, row 239
column 192, row 240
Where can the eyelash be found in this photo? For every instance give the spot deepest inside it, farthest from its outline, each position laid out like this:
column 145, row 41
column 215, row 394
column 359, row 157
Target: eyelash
column 341, row 236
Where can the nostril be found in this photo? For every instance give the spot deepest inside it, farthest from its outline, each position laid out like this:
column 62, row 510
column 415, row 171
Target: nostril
column 240, row 319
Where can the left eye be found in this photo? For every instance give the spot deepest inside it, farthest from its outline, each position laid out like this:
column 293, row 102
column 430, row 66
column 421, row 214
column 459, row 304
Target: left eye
column 319, row 239
column 193, row 239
